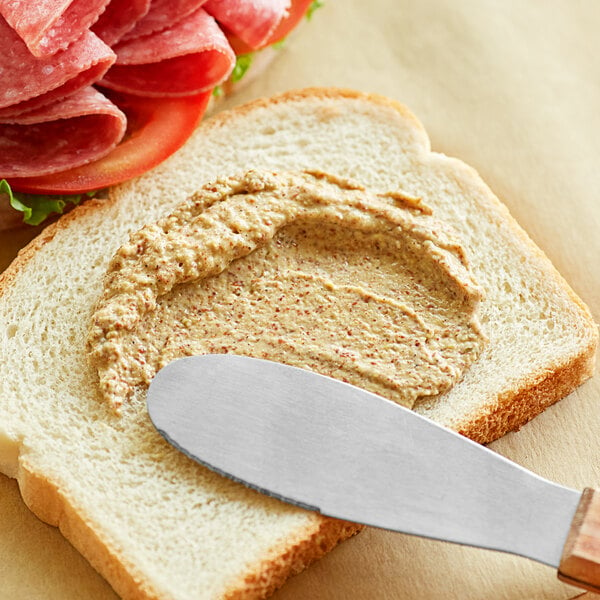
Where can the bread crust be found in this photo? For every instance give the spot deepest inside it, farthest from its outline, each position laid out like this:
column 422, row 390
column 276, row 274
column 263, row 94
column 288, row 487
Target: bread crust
column 511, row 411
column 515, row 409
column 48, row 503
column 287, row 558
column 291, row 557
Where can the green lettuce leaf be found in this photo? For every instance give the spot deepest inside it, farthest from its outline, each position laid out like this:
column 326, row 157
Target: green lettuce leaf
column 316, row 4
column 242, row 64
column 37, row 208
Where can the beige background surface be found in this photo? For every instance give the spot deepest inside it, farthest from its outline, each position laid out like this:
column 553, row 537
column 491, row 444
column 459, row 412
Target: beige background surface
column 512, row 88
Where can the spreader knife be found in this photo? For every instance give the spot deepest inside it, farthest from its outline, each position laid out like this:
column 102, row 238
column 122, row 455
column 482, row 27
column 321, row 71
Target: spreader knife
column 334, row 448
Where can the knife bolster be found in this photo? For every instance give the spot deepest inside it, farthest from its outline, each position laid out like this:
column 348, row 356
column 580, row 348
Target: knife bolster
column 580, row 560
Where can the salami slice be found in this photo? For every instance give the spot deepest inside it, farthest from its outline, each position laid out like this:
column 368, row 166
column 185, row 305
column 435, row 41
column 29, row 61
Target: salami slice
column 191, row 57
column 119, row 18
column 79, row 129
column 47, row 26
column 29, row 82
column 253, row 21
column 162, row 15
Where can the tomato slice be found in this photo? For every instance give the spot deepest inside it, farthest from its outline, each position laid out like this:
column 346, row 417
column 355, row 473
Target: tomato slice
column 295, row 14
column 156, row 128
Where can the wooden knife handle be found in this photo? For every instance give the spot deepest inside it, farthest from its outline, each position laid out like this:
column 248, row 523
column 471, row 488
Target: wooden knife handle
column 580, row 560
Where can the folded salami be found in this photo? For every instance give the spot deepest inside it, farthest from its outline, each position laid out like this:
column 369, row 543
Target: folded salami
column 162, row 15
column 190, row 57
column 47, row 26
column 29, row 82
column 119, row 18
column 157, row 61
column 253, row 21
column 75, row 131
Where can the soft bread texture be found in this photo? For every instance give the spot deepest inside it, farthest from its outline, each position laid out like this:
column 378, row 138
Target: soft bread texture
column 154, row 523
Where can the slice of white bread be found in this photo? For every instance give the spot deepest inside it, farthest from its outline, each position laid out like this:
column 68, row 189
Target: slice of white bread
column 154, row 523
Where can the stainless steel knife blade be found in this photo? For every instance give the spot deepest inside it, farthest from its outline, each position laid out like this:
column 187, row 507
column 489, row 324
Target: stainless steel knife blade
column 331, row 447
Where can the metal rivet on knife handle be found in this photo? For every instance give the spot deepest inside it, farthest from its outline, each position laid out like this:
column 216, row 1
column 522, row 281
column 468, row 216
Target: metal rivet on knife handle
column 580, row 561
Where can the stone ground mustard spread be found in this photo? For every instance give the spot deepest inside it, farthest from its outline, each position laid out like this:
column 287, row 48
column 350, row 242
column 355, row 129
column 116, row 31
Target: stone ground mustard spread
column 301, row 268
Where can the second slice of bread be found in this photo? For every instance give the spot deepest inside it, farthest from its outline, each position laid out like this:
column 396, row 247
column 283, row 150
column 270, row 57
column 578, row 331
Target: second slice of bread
column 158, row 525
